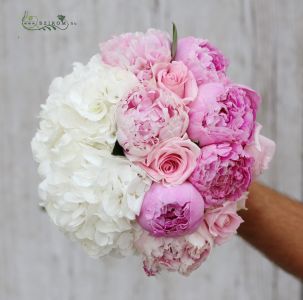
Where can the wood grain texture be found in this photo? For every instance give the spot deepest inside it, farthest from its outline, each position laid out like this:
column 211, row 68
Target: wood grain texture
column 263, row 40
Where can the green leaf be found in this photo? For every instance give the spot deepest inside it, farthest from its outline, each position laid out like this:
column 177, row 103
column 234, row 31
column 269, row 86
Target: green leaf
column 174, row 43
column 118, row 150
column 61, row 18
column 42, row 208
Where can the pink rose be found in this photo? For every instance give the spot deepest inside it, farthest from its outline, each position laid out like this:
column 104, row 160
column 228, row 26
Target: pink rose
column 223, row 172
column 223, row 114
column 177, row 78
column 262, row 150
column 182, row 254
column 137, row 52
column 171, row 211
column 146, row 117
column 223, row 222
column 171, row 161
column 205, row 61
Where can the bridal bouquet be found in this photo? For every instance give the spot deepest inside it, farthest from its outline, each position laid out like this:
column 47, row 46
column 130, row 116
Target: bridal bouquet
column 149, row 150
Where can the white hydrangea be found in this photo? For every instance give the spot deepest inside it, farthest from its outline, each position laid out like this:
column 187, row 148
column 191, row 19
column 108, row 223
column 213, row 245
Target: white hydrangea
column 91, row 195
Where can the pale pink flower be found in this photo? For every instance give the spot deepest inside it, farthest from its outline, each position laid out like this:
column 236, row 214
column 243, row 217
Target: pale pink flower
column 206, row 62
column 262, row 150
column 146, row 117
column 171, row 161
column 223, row 114
column 182, row 254
column 176, row 77
column 223, row 172
column 171, row 211
column 223, row 221
column 137, row 52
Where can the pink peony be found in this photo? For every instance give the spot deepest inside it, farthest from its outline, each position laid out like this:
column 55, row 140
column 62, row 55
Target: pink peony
column 177, row 78
column 223, row 172
column 171, row 161
column 171, row 211
column 223, row 222
column 262, row 150
column 182, row 254
column 223, row 114
column 146, row 117
column 137, row 52
column 205, row 61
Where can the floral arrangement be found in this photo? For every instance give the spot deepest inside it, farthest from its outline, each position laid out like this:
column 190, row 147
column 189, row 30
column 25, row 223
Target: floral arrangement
column 149, row 150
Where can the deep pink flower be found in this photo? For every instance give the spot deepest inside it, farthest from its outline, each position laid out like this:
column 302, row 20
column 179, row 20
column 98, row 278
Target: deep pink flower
column 223, row 172
column 171, row 211
column 205, row 61
column 182, row 254
column 223, row 114
column 172, row 161
column 148, row 116
column 223, row 222
column 176, row 77
column 137, row 52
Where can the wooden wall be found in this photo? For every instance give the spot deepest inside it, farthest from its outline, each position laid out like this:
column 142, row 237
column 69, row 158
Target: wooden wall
column 264, row 41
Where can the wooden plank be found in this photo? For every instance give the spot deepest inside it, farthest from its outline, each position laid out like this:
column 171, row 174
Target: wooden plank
column 287, row 108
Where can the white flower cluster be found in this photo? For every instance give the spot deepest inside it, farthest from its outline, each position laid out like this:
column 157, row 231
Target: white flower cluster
column 90, row 194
